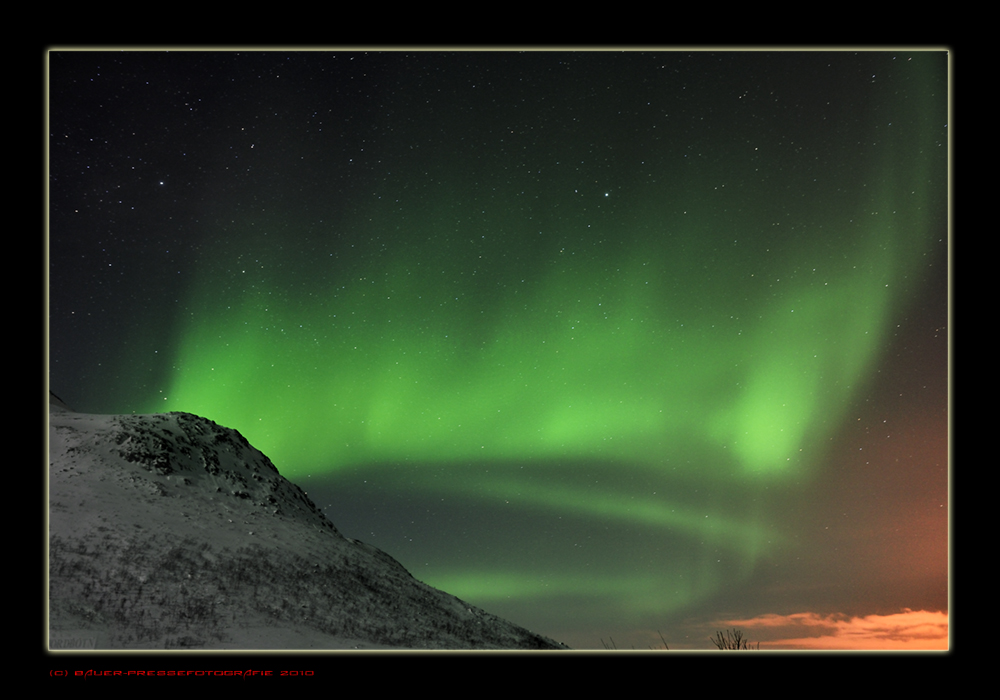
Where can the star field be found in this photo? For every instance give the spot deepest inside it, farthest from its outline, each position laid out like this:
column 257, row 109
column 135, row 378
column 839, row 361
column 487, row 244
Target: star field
column 603, row 342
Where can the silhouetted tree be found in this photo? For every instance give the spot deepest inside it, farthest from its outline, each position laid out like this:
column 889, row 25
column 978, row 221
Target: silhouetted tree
column 732, row 640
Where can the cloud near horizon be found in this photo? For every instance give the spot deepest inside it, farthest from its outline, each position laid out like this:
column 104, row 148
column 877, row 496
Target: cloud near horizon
column 907, row 630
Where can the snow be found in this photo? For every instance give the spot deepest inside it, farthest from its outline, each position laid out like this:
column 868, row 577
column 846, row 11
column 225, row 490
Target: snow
column 168, row 531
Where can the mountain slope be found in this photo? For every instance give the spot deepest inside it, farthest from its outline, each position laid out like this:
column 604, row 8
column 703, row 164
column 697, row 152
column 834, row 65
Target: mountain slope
column 170, row 531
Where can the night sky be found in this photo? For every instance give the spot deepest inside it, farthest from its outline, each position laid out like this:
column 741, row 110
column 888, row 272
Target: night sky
column 613, row 344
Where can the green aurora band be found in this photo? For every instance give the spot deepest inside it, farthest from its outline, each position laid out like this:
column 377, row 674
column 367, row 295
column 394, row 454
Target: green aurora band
column 621, row 368
column 660, row 336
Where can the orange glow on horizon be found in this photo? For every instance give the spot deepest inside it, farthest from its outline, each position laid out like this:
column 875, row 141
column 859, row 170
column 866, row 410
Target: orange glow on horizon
column 909, row 630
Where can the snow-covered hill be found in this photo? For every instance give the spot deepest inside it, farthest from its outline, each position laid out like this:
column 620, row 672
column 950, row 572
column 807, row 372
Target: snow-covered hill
column 168, row 531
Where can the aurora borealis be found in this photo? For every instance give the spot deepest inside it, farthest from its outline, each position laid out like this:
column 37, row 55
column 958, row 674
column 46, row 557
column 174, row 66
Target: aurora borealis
column 603, row 342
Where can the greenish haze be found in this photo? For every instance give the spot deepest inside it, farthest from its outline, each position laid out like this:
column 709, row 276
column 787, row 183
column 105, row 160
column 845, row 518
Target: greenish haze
column 714, row 341
column 625, row 357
